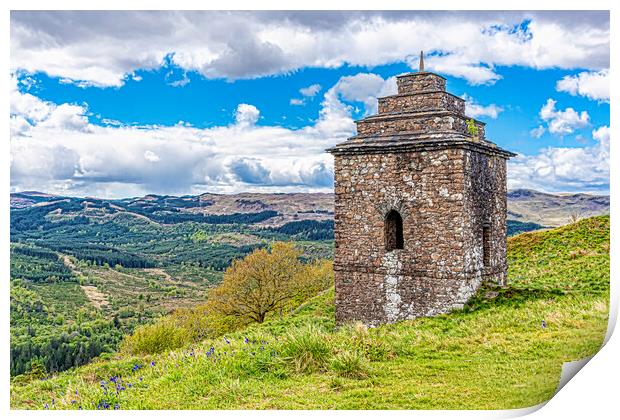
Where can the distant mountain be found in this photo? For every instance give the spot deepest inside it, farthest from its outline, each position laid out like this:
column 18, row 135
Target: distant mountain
column 554, row 209
column 269, row 209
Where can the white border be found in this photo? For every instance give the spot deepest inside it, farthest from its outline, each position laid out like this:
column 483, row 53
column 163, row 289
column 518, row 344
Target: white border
column 592, row 393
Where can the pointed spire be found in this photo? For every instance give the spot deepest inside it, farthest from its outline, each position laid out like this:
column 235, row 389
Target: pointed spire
column 421, row 61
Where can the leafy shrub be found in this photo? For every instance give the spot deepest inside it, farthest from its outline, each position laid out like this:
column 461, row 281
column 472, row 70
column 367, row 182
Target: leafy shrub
column 156, row 338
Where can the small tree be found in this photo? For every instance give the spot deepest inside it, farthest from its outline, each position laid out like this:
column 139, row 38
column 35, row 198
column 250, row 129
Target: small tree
column 261, row 283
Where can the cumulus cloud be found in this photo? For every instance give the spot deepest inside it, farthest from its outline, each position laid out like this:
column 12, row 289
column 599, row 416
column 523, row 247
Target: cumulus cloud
column 564, row 169
column 253, row 44
column 562, row 122
column 246, row 115
column 365, row 88
column 601, row 135
column 476, row 110
column 591, row 84
column 55, row 148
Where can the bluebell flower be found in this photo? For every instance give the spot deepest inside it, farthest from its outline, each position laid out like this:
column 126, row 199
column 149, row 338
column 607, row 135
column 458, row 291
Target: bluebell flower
column 47, row 407
column 116, row 406
column 152, row 363
column 246, row 340
column 226, row 339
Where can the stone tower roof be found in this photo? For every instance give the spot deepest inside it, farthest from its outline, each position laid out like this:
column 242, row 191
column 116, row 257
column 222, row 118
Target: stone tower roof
column 422, row 115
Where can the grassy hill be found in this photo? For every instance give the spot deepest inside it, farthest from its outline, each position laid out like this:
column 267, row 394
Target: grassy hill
column 493, row 354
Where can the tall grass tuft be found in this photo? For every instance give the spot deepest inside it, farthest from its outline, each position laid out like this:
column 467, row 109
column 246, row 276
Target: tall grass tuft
column 306, row 349
column 358, row 337
column 349, row 364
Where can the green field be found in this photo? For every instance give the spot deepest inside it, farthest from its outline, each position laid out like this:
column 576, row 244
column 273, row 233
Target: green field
column 493, row 354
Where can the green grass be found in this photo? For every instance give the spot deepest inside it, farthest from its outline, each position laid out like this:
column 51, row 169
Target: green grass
column 570, row 258
column 491, row 355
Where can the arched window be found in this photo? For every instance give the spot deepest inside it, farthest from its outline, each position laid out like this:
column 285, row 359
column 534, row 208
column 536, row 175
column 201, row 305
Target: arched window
column 393, row 231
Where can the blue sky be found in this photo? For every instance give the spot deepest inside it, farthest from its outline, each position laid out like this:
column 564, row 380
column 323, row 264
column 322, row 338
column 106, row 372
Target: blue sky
column 183, row 116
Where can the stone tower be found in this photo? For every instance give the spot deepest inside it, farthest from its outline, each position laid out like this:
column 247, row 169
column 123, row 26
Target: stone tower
column 420, row 207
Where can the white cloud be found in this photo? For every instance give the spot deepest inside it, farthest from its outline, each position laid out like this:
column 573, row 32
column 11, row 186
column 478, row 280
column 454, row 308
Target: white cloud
column 365, row 88
column 538, row 132
column 564, row 169
column 591, row 84
column 311, row 90
column 252, row 44
column 296, row 101
column 56, row 149
column 601, row 135
column 246, row 115
column 476, row 110
column 563, row 122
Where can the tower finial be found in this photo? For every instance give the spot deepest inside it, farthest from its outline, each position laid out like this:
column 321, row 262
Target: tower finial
column 421, row 61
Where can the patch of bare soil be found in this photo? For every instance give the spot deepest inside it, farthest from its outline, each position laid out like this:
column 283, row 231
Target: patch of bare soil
column 97, row 298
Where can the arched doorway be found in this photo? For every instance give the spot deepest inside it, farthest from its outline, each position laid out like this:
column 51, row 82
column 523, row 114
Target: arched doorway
column 393, row 231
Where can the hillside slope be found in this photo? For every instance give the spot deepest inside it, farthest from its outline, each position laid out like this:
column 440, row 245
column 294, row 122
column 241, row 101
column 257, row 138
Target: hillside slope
column 494, row 354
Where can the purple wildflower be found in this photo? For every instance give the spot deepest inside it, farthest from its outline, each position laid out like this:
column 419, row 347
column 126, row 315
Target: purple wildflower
column 226, row 339
column 152, row 363
column 246, row 340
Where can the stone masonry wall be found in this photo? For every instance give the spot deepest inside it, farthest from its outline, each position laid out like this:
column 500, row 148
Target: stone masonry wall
column 417, row 102
column 420, row 82
column 431, row 122
column 485, row 202
column 427, row 277
column 439, row 195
